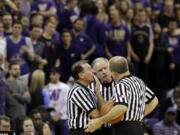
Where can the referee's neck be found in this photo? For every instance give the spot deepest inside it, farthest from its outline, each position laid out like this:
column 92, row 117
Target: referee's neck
column 83, row 82
column 122, row 75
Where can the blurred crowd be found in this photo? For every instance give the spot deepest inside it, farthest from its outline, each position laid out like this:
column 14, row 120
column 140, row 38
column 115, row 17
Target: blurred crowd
column 41, row 39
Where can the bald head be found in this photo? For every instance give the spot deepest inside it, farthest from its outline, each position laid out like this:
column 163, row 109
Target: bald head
column 118, row 64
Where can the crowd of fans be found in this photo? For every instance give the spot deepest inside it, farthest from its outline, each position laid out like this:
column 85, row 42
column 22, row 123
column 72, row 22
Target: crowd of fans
column 41, row 39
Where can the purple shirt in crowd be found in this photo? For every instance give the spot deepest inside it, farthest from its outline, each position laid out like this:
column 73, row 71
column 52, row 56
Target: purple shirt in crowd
column 174, row 42
column 95, row 29
column 161, row 128
column 118, row 37
column 14, row 54
column 41, row 6
column 82, row 42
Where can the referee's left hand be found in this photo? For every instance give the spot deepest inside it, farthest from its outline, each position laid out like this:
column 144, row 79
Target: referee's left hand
column 93, row 125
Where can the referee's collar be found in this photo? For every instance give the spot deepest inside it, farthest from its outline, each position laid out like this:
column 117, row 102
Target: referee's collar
column 82, row 85
column 127, row 76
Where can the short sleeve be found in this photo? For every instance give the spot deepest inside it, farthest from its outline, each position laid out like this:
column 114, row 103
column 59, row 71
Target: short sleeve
column 149, row 95
column 82, row 100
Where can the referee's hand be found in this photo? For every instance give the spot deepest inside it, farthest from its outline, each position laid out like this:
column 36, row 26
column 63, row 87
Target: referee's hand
column 93, row 125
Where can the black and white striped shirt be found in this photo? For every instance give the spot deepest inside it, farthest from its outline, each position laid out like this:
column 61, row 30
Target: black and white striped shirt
column 81, row 101
column 105, row 89
column 132, row 92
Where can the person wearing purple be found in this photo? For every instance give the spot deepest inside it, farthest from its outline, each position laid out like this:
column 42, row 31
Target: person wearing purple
column 68, row 54
column 80, row 40
column 2, row 87
column 45, row 7
column 95, row 29
column 119, row 36
column 19, row 49
column 173, row 41
column 67, row 16
column 168, row 125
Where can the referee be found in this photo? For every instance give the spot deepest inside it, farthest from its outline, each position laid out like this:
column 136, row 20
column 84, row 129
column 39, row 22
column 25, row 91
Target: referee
column 132, row 98
column 101, row 70
column 82, row 102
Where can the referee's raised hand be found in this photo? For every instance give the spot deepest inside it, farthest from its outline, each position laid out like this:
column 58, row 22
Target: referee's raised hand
column 93, row 125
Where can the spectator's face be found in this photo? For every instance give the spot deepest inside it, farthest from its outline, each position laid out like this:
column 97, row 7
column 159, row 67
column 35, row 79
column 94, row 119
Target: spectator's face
column 17, row 29
column 73, row 4
column 18, row 3
column 168, row 7
column 37, row 118
column 99, row 4
column 15, row 71
column 25, row 22
column 124, row 6
column 130, row 14
column 78, row 26
column 35, row 32
column 102, row 71
column 114, row 14
column 172, row 26
column 28, row 127
column 38, row 20
column 5, row 126
column 170, row 117
column 1, row 29
column 50, row 28
column 54, row 77
column 46, row 129
column 157, row 29
column 66, row 38
column 7, row 21
column 141, row 17
column 87, row 73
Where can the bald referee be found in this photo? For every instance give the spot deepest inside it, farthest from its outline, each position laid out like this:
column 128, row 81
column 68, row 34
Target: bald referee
column 132, row 98
column 82, row 102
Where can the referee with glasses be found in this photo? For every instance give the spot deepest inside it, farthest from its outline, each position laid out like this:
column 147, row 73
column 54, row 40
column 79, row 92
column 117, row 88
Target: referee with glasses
column 131, row 98
column 82, row 102
column 101, row 70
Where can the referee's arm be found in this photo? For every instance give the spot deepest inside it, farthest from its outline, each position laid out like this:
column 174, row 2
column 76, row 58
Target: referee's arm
column 151, row 102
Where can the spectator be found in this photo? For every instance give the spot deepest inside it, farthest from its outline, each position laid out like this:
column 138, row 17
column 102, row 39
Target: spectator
column 39, row 93
column 162, row 61
column 172, row 101
column 81, row 40
column 166, row 15
column 7, row 23
column 68, row 15
column 118, row 43
column 39, row 48
column 36, row 19
column 142, row 44
column 173, row 41
column 36, row 117
column 51, row 46
column 27, row 127
column 58, row 98
column 44, row 7
column 4, row 123
column 43, row 129
column 102, row 15
column 25, row 25
column 2, row 87
column 2, row 45
column 17, row 94
column 19, row 49
column 168, row 125
column 68, row 54
column 129, row 18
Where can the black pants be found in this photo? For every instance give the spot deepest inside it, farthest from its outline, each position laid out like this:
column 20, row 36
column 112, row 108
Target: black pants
column 128, row 128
